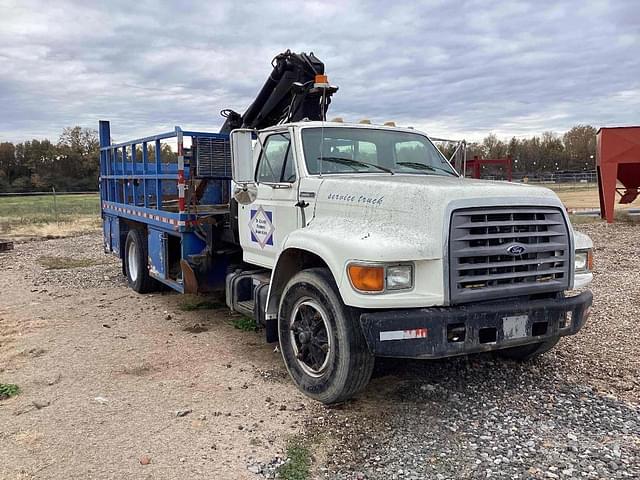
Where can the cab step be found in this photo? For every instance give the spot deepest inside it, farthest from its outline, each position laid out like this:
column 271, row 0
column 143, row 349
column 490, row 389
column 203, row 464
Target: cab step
column 247, row 294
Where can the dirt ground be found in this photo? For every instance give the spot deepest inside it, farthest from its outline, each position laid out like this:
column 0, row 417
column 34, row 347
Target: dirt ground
column 110, row 369
column 104, row 371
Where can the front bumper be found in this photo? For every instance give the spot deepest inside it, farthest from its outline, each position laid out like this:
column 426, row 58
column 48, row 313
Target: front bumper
column 438, row 332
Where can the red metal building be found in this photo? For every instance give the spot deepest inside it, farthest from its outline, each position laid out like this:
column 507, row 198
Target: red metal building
column 617, row 160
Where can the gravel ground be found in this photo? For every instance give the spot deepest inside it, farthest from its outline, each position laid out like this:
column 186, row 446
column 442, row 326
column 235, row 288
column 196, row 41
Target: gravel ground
column 483, row 419
column 106, row 273
column 573, row 413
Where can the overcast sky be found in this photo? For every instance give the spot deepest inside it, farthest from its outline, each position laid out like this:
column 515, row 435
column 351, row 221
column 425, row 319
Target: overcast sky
column 454, row 69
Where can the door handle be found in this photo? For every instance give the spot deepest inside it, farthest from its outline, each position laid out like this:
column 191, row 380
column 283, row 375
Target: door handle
column 302, row 205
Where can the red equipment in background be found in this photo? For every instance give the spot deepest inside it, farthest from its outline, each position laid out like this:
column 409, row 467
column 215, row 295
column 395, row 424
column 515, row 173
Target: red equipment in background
column 476, row 164
column 617, row 159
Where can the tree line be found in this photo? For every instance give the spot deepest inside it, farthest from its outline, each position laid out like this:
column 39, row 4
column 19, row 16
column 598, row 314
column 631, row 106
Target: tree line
column 72, row 163
column 573, row 151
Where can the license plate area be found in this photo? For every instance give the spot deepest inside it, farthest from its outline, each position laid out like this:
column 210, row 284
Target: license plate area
column 514, row 326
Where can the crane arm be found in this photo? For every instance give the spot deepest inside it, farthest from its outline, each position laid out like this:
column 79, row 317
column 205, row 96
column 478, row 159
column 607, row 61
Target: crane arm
column 290, row 94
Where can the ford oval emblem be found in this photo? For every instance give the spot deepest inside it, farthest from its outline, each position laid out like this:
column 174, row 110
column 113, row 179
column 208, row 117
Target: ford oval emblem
column 516, row 249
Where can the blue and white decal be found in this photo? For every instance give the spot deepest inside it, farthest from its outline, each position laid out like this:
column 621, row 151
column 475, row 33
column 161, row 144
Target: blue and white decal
column 261, row 227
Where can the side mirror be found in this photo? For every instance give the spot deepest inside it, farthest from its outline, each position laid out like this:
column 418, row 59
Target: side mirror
column 245, row 194
column 242, row 169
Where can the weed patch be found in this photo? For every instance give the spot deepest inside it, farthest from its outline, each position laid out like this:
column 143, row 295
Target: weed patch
column 298, row 461
column 191, row 303
column 8, row 390
column 245, row 324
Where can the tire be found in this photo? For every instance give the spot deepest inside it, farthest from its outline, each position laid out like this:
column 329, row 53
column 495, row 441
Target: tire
column 135, row 261
column 525, row 353
column 321, row 340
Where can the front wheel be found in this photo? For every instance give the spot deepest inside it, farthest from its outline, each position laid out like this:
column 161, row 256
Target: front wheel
column 321, row 341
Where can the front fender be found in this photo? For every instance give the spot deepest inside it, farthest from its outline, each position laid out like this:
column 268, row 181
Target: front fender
column 338, row 241
column 298, row 244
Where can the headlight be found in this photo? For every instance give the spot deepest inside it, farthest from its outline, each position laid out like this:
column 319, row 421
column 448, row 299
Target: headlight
column 399, row 277
column 584, row 261
column 380, row 278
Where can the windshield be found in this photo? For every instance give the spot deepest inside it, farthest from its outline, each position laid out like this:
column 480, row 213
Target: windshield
column 368, row 150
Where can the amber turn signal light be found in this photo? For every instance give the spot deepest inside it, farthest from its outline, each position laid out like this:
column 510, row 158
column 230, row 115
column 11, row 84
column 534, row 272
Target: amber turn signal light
column 366, row 278
column 321, row 79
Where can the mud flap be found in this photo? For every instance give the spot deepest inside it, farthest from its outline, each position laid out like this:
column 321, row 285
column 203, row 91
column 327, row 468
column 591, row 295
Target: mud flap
column 189, row 278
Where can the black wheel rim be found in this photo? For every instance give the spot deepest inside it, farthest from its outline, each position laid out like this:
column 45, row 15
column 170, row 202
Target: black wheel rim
column 310, row 335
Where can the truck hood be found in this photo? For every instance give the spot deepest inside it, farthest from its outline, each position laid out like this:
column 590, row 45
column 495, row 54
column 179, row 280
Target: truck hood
column 405, row 217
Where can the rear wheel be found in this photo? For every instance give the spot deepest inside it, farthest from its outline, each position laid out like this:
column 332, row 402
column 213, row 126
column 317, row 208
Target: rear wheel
column 321, row 341
column 135, row 262
column 525, row 353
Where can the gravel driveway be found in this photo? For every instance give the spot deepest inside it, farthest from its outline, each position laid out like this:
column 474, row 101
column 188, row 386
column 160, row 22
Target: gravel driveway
column 573, row 413
column 75, row 337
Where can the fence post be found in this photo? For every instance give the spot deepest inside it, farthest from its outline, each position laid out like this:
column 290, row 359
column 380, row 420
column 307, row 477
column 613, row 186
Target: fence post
column 55, row 206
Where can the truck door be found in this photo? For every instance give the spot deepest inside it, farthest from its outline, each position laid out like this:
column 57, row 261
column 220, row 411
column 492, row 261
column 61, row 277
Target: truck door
column 265, row 223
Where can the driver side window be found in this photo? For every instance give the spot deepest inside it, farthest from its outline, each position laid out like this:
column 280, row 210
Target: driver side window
column 276, row 160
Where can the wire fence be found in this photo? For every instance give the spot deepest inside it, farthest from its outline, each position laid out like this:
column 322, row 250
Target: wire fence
column 40, row 208
column 51, row 192
column 582, row 177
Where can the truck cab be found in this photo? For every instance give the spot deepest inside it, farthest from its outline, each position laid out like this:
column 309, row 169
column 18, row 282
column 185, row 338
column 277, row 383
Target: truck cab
column 366, row 242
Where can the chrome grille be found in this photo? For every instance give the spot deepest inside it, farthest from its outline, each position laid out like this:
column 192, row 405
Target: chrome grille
column 485, row 258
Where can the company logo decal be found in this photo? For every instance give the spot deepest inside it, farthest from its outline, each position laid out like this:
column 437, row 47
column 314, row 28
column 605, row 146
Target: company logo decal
column 516, row 249
column 261, row 227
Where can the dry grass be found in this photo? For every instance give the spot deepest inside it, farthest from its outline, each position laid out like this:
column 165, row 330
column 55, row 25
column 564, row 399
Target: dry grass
column 28, row 217
column 584, row 196
column 53, row 230
column 60, row 263
column 29, row 439
column 620, row 217
column 580, row 196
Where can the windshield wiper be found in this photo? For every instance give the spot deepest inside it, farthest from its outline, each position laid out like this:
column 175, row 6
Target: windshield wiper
column 423, row 166
column 349, row 162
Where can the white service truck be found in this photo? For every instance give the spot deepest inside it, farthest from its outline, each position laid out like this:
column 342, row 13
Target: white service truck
column 346, row 242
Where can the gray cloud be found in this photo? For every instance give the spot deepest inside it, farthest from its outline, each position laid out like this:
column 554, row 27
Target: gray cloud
column 464, row 70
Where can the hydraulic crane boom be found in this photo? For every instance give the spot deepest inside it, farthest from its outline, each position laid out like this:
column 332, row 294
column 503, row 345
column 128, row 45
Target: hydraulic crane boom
column 296, row 89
